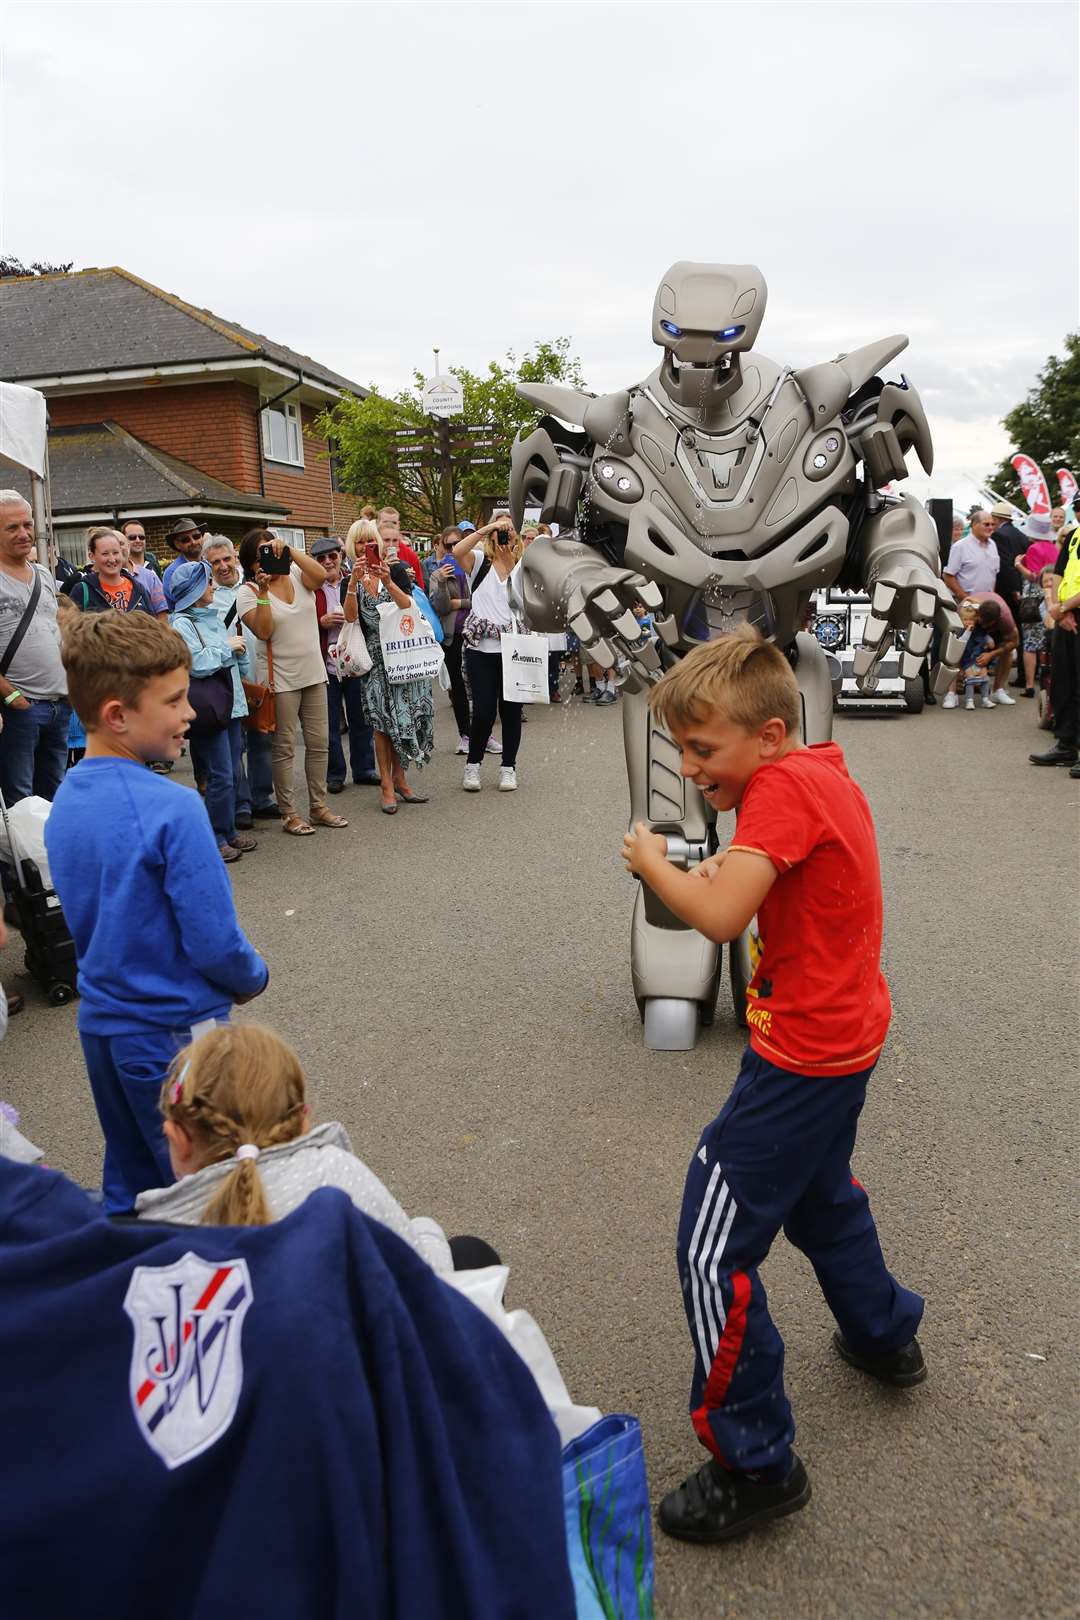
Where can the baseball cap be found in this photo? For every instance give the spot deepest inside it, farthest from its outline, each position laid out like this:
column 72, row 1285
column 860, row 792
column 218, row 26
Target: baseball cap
column 466, row 527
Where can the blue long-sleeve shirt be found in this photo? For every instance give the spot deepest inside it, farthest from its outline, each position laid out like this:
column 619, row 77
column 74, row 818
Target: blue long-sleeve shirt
column 208, row 642
column 148, row 901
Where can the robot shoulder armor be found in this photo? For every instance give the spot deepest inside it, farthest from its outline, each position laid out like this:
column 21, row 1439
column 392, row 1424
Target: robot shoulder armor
column 607, row 421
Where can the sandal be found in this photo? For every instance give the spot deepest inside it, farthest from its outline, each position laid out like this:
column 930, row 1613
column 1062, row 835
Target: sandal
column 412, row 798
column 326, row 818
column 297, row 826
column 389, row 809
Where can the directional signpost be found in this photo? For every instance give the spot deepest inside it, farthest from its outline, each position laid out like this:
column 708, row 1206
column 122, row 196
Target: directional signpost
column 435, row 444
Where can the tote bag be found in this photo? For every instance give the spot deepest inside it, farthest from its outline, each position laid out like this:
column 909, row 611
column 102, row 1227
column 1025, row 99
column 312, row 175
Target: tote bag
column 524, row 667
column 211, row 696
column 608, row 1524
column 409, row 649
column 349, row 653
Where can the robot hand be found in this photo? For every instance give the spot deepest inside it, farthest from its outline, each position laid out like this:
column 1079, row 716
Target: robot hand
column 908, row 597
column 566, row 584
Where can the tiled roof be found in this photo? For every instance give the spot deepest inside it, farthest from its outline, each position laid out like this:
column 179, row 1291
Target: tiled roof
column 101, row 467
column 106, row 320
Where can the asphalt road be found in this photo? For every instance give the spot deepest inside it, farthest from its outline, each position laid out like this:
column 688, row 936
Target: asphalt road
column 456, row 982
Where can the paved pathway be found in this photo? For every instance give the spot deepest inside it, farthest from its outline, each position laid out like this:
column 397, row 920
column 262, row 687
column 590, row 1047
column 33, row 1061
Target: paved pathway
column 456, row 982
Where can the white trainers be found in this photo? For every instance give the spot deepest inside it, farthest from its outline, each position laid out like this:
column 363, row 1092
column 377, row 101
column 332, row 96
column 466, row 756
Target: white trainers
column 507, row 779
column 986, row 702
column 462, row 745
column 471, row 779
column 969, row 703
column 1001, row 696
column 493, row 746
column 950, row 701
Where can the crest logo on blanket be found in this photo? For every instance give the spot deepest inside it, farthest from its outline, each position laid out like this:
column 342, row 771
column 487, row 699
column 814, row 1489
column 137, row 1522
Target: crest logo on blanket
column 186, row 1365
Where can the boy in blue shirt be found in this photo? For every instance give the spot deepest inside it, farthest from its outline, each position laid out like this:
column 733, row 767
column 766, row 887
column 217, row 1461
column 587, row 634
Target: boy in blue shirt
column 135, row 864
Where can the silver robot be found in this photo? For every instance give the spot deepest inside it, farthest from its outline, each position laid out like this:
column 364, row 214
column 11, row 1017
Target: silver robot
column 724, row 488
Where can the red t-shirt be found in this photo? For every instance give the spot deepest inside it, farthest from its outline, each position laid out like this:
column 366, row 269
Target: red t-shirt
column 818, row 1002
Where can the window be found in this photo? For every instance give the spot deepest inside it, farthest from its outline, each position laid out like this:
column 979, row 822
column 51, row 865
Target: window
column 291, row 537
column 282, row 434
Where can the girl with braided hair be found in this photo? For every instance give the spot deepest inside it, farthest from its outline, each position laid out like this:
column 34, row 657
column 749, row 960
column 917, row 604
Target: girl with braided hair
column 243, row 1149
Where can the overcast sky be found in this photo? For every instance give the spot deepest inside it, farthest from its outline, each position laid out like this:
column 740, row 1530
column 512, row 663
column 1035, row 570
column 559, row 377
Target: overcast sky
column 362, row 182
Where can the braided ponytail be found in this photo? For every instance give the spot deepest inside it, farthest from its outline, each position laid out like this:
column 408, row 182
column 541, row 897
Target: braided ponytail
column 230, row 1087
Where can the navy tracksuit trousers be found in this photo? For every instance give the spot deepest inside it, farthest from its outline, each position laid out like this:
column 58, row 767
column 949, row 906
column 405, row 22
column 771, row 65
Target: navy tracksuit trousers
column 777, row 1155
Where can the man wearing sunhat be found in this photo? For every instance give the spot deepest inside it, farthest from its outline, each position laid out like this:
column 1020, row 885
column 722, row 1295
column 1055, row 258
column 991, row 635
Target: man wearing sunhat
column 185, row 538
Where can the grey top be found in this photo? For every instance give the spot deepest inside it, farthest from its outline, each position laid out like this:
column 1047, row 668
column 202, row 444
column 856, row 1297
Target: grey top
column 323, row 1157
column 36, row 669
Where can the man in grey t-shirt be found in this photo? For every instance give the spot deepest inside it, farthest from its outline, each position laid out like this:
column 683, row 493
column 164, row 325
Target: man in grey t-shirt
column 33, row 688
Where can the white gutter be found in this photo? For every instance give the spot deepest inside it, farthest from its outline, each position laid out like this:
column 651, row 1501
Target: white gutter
column 188, row 370
column 101, row 513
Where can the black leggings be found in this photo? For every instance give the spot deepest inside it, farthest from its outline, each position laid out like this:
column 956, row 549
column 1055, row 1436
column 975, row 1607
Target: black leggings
column 485, row 681
column 458, row 695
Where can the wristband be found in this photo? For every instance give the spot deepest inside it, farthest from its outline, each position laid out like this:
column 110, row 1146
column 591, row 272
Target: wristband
column 12, row 695
column 262, row 601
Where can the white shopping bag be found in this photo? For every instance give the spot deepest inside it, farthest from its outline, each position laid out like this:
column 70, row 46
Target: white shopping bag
column 485, row 1288
column 409, row 649
column 25, row 822
column 349, row 653
column 525, row 667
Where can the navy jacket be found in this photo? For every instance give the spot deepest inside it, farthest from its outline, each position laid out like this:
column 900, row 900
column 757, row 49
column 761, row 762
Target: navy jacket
column 295, row 1422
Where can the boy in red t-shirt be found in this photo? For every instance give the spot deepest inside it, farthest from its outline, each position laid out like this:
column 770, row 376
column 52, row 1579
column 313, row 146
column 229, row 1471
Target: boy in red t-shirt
column 804, row 860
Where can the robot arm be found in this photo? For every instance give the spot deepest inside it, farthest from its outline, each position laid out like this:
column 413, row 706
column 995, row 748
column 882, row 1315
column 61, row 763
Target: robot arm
column 899, row 556
column 566, row 585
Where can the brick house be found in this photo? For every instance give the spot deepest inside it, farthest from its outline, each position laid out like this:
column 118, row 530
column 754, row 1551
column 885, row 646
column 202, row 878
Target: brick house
column 159, row 410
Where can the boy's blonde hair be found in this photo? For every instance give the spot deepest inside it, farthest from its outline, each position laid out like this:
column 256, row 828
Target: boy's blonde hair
column 236, row 1084
column 115, row 655
column 742, row 677
column 363, row 531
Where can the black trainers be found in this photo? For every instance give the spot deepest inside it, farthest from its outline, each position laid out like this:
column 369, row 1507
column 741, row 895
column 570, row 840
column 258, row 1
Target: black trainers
column 901, row 1368
column 714, row 1505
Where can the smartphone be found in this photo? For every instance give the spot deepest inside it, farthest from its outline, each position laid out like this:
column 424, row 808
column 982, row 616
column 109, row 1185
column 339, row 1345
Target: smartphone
column 371, row 554
column 271, row 563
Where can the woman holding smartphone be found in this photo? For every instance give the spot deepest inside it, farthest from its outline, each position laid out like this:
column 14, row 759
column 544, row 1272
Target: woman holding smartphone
column 487, row 570
column 400, row 714
column 279, row 609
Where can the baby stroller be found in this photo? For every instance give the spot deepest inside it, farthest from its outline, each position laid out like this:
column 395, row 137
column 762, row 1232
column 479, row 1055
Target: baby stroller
column 50, row 949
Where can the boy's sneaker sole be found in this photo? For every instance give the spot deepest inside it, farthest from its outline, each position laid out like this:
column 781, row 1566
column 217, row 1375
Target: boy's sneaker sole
column 714, row 1505
column 901, row 1369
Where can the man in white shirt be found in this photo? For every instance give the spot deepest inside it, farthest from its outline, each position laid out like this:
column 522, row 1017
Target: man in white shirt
column 973, row 562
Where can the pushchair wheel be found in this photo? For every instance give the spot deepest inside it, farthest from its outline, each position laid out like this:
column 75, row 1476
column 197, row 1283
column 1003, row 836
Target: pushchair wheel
column 60, row 995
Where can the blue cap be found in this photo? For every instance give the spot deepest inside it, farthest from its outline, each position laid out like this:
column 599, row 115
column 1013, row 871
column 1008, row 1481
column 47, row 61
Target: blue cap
column 466, row 527
column 188, row 582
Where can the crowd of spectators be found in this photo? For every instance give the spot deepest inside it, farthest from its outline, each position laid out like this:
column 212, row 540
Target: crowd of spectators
column 1017, row 588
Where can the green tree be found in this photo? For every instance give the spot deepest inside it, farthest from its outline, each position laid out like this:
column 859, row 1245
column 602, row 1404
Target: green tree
column 367, row 454
column 10, row 268
column 1046, row 425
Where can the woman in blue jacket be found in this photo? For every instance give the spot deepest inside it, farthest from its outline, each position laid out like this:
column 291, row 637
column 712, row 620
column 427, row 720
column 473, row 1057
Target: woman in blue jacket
column 214, row 754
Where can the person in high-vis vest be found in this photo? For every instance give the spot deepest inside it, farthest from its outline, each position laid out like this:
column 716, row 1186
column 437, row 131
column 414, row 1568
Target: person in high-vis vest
column 1064, row 619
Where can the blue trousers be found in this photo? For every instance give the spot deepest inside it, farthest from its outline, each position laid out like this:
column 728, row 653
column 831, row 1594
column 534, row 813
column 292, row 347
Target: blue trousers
column 34, row 750
column 777, row 1155
column 346, row 695
column 256, row 788
column 212, row 756
column 126, row 1074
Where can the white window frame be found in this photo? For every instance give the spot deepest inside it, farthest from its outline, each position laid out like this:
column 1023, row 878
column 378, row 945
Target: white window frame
column 291, row 537
column 293, row 421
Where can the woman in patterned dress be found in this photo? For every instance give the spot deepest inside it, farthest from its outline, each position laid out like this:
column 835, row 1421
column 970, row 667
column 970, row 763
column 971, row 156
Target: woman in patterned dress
column 401, row 715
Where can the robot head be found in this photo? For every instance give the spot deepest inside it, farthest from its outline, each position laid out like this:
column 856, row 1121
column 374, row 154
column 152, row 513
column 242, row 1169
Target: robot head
column 703, row 315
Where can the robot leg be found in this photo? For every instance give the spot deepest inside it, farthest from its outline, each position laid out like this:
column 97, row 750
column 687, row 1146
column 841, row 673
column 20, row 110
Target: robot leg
column 674, row 968
column 816, row 690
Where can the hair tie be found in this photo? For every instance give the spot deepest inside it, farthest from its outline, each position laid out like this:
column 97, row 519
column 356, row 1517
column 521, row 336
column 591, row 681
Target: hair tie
column 247, row 1150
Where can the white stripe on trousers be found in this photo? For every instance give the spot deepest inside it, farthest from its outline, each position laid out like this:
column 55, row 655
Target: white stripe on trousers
column 704, row 1256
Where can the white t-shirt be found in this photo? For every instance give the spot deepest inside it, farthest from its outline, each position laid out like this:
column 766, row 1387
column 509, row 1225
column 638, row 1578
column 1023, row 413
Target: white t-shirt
column 295, row 640
column 490, row 601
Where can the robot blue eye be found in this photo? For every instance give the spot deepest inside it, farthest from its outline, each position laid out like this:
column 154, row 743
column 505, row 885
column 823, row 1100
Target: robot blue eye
column 671, row 329
column 729, row 332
